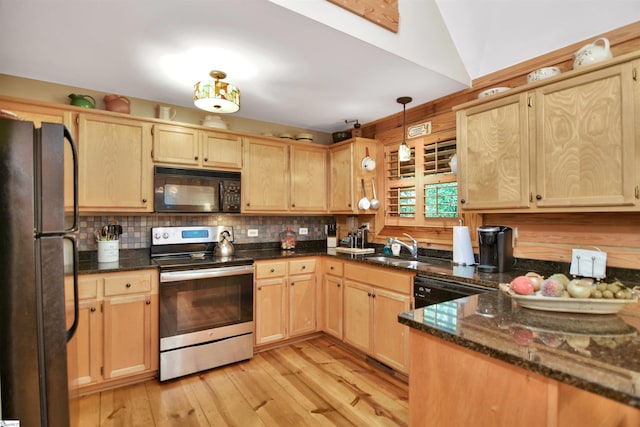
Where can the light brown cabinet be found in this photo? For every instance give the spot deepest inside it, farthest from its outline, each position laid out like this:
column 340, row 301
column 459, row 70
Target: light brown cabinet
column 189, row 147
column 373, row 298
column 333, row 298
column 497, row 393
column 117, row 336
column 568, row 145
column 308, row 178
column 115, row 164
column 285, row 299
column 283, row 177
column 346, row 175
column 265, row 177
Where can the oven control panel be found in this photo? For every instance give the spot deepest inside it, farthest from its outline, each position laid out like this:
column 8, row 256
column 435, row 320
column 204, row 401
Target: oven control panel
column 191, row 234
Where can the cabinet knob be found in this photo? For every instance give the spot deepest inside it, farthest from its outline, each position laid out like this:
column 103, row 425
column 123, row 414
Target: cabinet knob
column 148, row 302
column 538, row 196
column 92, row 309
column 293, row 283
column 368, row 294
column 463, row 201
column 349, row 205
column 304, row 266
column 144, row 200
column 206, row 159
column 273, row 270
column 293, row 205
column 259, row 288
column 248, row 204
column 339, row 285
column 128, row 285
column 195, row 158
column 373, row 295
column 331, row 268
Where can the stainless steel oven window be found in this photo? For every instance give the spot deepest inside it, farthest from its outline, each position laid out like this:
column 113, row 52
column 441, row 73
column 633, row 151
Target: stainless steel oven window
column 191, row 195
column 206, row 303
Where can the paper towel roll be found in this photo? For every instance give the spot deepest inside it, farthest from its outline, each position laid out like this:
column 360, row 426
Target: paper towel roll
column 462, row 251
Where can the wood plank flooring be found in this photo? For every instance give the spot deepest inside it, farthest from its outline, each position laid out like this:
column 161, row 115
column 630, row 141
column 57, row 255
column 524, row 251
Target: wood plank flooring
column 309, row 383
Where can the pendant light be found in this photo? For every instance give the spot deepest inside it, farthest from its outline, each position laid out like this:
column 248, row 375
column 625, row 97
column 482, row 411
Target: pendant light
column 404, row 151
column 216, row 96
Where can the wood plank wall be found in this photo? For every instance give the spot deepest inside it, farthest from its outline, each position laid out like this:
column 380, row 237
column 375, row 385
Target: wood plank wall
column 540, row 236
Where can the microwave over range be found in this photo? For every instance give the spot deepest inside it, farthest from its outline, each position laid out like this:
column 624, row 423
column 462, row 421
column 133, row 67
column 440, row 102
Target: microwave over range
column 179, row 190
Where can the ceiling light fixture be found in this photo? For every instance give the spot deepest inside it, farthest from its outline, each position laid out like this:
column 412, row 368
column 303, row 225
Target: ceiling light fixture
column 215, row 95
column 404, row 151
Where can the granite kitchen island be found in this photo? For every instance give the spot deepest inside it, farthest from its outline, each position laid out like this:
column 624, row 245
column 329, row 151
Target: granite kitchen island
column 485, row 361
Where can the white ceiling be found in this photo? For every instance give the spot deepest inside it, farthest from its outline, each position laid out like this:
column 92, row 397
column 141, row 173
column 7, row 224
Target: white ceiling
column 303, row 63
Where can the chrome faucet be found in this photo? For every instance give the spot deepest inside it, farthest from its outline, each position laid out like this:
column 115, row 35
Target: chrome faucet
column 413, row 248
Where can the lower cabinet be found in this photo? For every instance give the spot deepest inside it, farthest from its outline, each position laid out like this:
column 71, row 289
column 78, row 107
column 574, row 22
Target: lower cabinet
column 333, row 298
column 469, row 388
column 285, row 299
column 373, row 298
column 117, row 336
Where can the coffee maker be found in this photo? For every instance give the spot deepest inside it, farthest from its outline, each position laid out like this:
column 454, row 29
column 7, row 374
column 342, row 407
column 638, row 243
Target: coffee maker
column 496, row 248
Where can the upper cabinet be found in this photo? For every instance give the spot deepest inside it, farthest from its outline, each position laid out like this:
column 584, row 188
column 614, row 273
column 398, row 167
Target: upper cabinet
column 189, row 147
column 567, row 145
column 115, row 163
column 347, row 174
column 280, row 177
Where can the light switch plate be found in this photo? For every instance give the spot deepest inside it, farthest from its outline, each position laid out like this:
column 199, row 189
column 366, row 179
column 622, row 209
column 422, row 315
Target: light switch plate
column 303, row 231
column 252, row 232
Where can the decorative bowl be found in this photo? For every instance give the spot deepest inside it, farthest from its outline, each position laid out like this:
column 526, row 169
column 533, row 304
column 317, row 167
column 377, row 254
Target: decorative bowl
column 542, row 74
column 341, row 136
column 492, row 91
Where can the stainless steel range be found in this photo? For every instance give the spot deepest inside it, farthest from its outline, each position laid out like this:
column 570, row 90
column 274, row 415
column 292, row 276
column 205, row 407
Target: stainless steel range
column 206, row 302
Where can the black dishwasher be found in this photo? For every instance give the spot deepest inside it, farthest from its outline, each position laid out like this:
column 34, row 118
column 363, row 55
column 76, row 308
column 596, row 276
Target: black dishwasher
column 429, row 290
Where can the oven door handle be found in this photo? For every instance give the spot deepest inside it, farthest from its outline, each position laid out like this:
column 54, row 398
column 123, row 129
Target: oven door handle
column 206, row 273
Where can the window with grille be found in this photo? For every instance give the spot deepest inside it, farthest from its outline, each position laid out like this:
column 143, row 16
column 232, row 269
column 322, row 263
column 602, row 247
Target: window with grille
column 427, row 172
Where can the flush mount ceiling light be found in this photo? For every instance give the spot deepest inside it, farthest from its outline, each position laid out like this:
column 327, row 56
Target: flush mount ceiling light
column 404, row 151
column 215, row 95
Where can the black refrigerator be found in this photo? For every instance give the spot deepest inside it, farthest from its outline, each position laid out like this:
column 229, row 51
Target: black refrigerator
column 34, row 329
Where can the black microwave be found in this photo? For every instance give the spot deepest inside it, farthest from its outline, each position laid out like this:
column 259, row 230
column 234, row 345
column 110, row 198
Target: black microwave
column 196, row 191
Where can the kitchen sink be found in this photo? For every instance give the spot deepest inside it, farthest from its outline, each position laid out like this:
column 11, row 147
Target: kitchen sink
column 397, row 262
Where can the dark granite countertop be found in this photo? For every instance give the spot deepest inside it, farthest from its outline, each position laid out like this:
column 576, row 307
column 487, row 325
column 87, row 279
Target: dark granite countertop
column 599, row 353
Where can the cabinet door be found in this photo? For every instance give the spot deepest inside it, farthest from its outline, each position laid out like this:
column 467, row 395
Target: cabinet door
column 221, row 150
column 333, row 305
column 128, row 334
column 390, row 338
column 341, row 195
column 84, row 351
column 176, row 145
column 115, row 164
column 302, row 304
column 265, row 182
column 585, row 140
column 270, row 312
column 493, row 151
column 308, row 179
column 358, row 315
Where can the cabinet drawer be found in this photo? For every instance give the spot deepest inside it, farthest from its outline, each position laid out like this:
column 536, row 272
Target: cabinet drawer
column 380, row 277
column 300, row 266
column 270, row 269
column 87, row 287
column 127, row 284
column 334, row 267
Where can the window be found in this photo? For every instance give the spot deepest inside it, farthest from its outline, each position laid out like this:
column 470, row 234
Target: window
column 422, row 191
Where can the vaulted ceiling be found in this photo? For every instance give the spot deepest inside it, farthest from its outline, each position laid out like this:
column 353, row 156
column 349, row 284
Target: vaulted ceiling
column 303, row 63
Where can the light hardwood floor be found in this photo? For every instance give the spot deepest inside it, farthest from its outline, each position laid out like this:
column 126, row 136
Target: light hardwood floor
column 309, row 383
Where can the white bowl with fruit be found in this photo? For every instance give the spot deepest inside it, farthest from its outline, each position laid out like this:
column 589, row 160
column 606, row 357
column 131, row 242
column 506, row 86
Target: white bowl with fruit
column 558, row 293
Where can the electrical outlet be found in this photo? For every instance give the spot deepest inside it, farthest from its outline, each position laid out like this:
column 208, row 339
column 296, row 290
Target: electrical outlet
column 252, row 232
column 365, row 225
column 303, row 231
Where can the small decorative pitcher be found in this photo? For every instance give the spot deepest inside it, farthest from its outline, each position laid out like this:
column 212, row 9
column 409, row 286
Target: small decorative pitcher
column 166, row 113
column 82, row 101
column 117, row 103
column 592, row 53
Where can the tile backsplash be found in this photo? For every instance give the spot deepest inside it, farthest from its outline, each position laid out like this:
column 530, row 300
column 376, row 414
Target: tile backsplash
column 136, row 230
